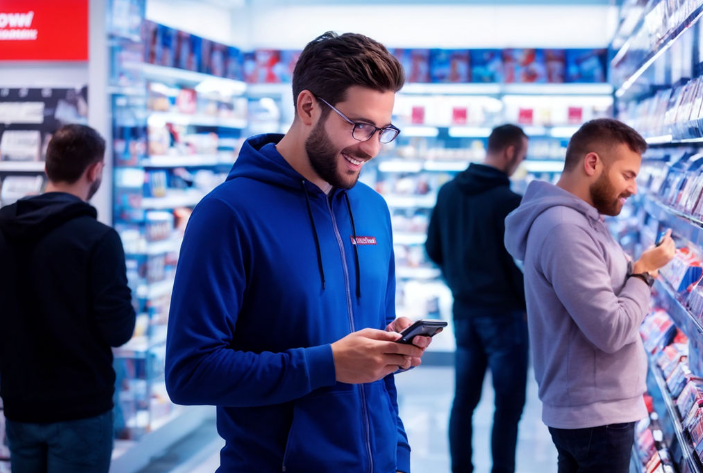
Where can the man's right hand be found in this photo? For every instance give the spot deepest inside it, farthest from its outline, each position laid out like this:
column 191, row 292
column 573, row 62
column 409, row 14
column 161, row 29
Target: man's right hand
column 369, row 355
column 656, row 257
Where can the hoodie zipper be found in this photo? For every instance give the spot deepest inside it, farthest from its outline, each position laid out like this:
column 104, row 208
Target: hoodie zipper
column 364, row 410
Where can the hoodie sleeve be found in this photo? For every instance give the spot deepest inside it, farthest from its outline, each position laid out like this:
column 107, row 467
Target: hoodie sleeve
column 579, row 274
column 210, row 286
column 433, row 244
column 111, row 296
column 403, row 450
column 512, row 272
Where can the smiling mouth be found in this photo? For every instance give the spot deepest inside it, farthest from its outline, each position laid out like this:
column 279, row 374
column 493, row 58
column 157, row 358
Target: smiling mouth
column 355, row 162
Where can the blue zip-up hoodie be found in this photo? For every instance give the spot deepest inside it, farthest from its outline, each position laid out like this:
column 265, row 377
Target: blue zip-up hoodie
column 267, row 279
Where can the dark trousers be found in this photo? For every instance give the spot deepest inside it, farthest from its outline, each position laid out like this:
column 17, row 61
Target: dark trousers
column 604, row 449
column 499, row 343
column 83, row 446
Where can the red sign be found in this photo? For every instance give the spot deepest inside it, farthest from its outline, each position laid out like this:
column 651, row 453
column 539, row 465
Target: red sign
column 418, row 115
column 575, row 115
column 459, row 115
column 525, row 116
column 44, row 30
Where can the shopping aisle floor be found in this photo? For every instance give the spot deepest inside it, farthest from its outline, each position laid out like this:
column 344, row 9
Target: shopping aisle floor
column 425, row 397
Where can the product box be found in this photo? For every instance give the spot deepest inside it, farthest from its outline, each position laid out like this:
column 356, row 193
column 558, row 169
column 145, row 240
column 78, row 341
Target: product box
column 524, row 66
column 234, row 64
column 165, row 55
column 249, row 67
column 586, row 65
column 450, row 65
column 486, row 65
column 556, row 65
column 218, row 59
column 20, row 145
column 17, row 187
column 416, row 63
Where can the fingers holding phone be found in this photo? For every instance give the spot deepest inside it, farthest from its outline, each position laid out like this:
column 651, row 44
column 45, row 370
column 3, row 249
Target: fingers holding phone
column 369, row 355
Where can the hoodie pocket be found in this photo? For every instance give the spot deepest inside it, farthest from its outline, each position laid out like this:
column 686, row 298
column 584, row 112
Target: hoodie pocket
column 329, row 431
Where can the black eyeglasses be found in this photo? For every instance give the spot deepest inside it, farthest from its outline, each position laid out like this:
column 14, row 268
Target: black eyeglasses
column 365, row 131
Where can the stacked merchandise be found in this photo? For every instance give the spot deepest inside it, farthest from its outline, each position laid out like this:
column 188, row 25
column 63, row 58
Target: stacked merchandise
column 650, row 452
column 28, row 118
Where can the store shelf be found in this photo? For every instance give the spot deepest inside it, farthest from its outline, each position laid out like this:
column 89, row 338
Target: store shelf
column 507, row 89
column 157, row 247
column 186, row 199
column 689, row 455
column 155, row 290
column 417, row 273
column 683, row 319
column 202, row 82
column 547, row 165
column 138, row 346
column 409, row 238
column 664, row 44
column 193, row 160
column 160, row 118
column 681, row 224
column 22, row 166
column 668, row 140
column 411, row 201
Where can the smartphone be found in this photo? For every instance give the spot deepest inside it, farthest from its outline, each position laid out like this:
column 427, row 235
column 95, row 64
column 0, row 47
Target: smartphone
column 425, row 328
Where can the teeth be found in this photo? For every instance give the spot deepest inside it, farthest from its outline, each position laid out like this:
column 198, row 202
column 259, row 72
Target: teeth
column 353, row 161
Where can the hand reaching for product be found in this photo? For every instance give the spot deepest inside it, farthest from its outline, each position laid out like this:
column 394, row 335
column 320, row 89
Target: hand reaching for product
column 656, row 257
column 369, row 355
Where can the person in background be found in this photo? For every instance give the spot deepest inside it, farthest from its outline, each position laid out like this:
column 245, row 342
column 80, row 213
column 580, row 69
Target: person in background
column 65, row 302
column 283, row 309
column 465, row 239
column 586, row 299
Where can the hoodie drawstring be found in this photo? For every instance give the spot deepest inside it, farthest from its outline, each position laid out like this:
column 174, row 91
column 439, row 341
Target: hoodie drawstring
column 356, row 248
column 314, row 233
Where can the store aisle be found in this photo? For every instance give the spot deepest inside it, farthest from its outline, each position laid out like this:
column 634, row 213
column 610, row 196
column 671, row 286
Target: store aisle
column 425, row 397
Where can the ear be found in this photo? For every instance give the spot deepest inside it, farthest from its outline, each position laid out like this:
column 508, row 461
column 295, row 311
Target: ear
column 510, row 152
column 95, row 170
column 591, row 163
column 305, row 107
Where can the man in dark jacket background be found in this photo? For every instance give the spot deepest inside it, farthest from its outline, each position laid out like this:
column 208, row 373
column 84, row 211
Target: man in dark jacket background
column 65, row 302
column 465, row 238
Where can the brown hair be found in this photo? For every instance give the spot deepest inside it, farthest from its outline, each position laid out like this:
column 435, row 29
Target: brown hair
column 332, row 63
column 599, row 133
column 72, row 149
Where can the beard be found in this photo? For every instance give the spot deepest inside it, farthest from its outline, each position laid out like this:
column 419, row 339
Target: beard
column 602, row 192
column 94, row 188
column 323, row 156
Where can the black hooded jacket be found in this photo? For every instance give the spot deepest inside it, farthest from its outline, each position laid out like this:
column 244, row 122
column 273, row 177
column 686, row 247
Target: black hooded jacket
column 64, row 301
column 465, row 238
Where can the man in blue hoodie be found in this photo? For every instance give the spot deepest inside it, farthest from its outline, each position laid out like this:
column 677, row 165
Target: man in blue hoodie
column 283, row 309
column 65, row 302
column 586, row 299
column 465, row 239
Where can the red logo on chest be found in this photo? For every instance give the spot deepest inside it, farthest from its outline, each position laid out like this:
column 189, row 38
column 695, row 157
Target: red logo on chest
column 363, row 240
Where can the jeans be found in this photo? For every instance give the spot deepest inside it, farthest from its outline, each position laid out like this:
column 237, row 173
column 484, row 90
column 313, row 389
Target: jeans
column 83, row 445
column 499, row 343
column 604, row 449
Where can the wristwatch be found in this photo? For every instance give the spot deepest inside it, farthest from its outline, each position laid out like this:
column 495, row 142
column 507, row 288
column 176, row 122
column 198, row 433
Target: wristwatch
column 646, row 277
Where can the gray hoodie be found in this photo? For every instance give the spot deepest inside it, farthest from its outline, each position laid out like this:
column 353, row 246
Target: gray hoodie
column 583, row 311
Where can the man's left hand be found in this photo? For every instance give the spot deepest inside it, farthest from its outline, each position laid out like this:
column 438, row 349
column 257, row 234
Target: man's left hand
column 400, row 324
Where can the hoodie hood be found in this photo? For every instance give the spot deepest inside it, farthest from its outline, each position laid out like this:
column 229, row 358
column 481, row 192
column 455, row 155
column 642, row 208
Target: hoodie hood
column 33, row 217
column 260, row 160
column 479, row 178
column 539, row 197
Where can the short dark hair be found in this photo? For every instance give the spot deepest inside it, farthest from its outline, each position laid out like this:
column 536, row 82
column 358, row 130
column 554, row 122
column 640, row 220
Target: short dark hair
column 332, row 63
column 599, row 133
column 72, row 149
column 505, row 135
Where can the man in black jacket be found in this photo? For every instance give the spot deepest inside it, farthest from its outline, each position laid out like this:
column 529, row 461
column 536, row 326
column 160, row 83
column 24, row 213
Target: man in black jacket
column 65, row 302
column 465, row 238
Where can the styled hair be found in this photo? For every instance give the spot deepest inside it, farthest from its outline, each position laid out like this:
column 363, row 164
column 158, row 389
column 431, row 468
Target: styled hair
column 72, row 149
column 599, row 133
column 505, row 135
column 332, row 63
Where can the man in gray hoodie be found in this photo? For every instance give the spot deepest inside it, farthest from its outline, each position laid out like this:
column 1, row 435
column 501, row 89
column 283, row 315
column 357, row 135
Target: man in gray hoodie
column 586, row 299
